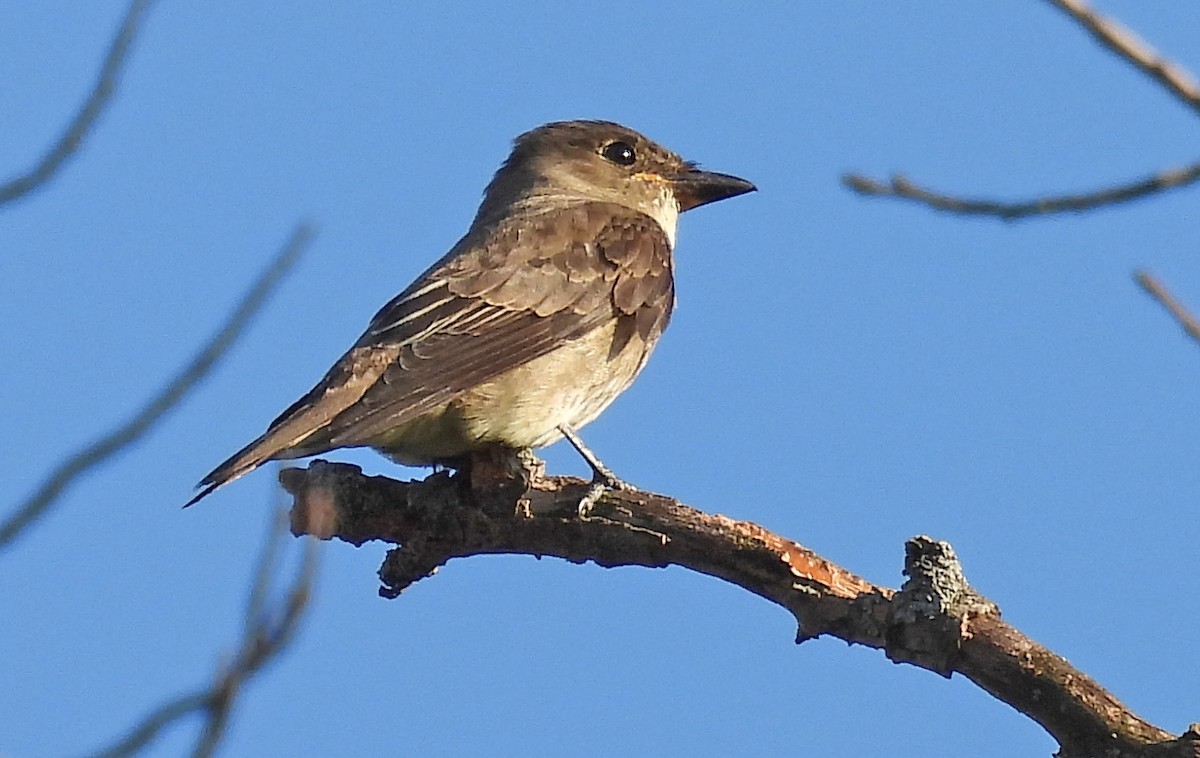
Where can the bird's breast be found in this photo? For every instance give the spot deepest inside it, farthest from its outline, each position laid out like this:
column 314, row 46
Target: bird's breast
column 570, row 385
column 524, row 407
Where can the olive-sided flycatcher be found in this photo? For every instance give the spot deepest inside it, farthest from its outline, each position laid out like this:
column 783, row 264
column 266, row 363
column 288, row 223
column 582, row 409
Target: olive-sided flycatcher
column 529, row 327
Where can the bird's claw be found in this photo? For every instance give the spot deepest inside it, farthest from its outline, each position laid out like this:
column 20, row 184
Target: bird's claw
column 602, row 476
column 602, row 481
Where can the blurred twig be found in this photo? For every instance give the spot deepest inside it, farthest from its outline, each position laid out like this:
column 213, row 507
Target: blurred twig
column 1125, row 43
column 265, row 636
column 268, row 630
column 149, row 728
column 1117, row 38
column 97, row 452
column 86, row 118
column 1156, row 290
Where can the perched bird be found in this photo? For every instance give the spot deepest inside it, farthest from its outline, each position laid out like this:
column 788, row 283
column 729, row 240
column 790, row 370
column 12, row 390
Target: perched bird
column 530, row 326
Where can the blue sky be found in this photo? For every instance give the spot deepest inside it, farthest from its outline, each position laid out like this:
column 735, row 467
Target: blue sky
column 846, row 372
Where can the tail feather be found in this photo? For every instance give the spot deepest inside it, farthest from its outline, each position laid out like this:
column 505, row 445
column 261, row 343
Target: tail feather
column 202, row 494
column 290, row 437
column 238, row 465
column 304, row 428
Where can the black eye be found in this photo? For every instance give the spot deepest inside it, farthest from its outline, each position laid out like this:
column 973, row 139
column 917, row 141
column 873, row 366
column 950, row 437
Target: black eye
column 619, row 153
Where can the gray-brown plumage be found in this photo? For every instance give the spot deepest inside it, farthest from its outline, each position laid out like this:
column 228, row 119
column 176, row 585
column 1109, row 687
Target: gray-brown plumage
column 529, row 327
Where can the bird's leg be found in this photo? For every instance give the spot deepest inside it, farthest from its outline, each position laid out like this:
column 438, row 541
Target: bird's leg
column 602, row 476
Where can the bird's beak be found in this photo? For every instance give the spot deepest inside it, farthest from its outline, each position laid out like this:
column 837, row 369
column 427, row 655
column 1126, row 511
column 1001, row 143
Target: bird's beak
column 694, row 187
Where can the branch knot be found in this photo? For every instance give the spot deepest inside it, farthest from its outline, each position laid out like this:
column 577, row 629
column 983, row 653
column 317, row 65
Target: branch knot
column 928, row 616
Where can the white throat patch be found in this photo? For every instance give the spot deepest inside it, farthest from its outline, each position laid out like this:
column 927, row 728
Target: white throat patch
column 665, row 210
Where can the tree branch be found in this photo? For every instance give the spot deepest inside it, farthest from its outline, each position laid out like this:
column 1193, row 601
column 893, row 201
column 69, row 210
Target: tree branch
column 86, row 118
column 1172, row 77
column 95, row 453
column 936, row 621
column 900, row 187
column 1156, row 290
column 1125, row 43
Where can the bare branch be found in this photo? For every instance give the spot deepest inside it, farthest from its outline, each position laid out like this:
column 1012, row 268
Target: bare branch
column 268, row 558
column 1011, row 211
column 936, row 621
column 264, row 638
column 1156, row 290
column 86, row 118
column 1125, row 43
column 1116, row 37
column 145, row 732
column 267, row 633
column 126, row 434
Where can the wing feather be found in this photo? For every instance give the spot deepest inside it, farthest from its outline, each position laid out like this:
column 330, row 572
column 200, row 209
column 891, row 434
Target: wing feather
column 503, row 296
column 573, row 261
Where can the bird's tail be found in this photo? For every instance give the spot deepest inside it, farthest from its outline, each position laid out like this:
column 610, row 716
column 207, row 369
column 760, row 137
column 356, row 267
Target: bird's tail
column 291, row 436
column 238, row 465
column 304, row 428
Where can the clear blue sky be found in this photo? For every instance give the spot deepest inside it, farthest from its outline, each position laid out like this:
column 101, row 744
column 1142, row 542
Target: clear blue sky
column 846, row 372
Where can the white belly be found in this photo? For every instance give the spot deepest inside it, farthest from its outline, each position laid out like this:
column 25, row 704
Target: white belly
column 525, row 407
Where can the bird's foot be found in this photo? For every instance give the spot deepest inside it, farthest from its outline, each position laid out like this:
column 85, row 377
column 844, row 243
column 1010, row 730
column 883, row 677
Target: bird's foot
column 600, row 484
column 603, row 479
column 532, row 468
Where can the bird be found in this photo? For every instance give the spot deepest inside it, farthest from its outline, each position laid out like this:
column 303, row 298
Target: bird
column 541, row 315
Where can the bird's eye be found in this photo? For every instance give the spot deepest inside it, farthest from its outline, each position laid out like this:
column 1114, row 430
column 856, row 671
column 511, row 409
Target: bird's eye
column 619, row 153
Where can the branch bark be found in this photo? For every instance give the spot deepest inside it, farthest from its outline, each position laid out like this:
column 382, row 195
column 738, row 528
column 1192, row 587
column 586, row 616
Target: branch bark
column 935, row 621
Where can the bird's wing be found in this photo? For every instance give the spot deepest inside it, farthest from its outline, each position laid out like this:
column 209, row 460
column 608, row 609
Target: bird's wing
column 498, row 300
column 533, row 285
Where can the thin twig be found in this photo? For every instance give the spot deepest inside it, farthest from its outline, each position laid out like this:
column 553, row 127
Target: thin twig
column 264, row 637
column 1010, row 211
column 99, row 451
column 1125, row 43
column 85, row 119
column 1156, row 290
column 145, row 732
column 1122, row 41
column 268, row 559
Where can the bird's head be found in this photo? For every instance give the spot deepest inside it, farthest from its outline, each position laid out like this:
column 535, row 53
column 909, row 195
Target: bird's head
column 606, row 162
